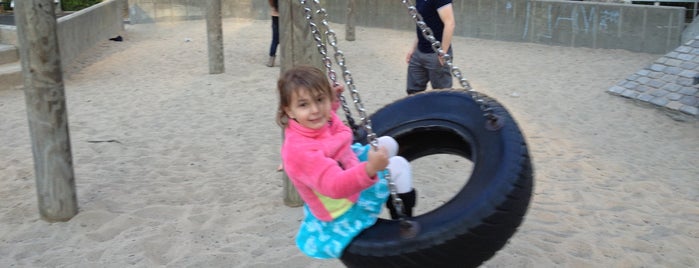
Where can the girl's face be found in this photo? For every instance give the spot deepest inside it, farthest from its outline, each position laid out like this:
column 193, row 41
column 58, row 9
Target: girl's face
column 310, row 109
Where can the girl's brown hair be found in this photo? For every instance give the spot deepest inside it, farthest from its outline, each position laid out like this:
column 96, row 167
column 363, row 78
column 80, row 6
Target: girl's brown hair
column 301, row 77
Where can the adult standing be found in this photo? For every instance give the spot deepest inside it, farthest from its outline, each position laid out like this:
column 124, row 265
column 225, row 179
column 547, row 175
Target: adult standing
column 424, row 64
column 274, row 6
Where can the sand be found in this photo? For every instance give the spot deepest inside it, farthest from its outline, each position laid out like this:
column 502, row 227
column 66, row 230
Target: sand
column 192, row 180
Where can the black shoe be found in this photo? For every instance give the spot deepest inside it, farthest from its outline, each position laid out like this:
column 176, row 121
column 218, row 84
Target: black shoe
column 409, row 201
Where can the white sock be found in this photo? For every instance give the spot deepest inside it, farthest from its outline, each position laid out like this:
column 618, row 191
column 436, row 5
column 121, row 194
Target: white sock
column 401, row 174
column 390, row 144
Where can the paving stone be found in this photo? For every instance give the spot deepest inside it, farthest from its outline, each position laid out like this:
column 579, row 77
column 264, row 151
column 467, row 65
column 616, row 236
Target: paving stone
column 643, row 72
column 658, row 93
column 673, row 70
column 684, row 49
column 643, row 88
column 660, row 101
column 673, row 62
column 656, row 83
column 655, row 75
column 683, row 81
column 617, row 90
column 657, row 67
column 674, row 96
column 686, row 57
column 688, row 73
column 630, row 84
column 672, row 87
column 689, row 65
column 674, row 105
column 645, row 97
column 690, row 110
column 689, row 91
column 630, row 94
column 669, row 78
column 689, row 100
column 643, row 80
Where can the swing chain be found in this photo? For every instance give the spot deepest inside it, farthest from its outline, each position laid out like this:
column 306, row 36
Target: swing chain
column 493, row 120
column 322, row 49
column 346, row 74
column 347, row 77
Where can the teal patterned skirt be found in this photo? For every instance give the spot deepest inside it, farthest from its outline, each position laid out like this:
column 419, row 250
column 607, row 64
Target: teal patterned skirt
column 325, row 240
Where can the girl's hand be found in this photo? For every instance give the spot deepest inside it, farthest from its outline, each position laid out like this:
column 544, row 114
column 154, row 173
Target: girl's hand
column 338, row 89
column 377, row 161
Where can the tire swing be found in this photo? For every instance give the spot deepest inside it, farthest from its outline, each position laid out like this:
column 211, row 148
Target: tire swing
column 483, row 215
column 477, row 222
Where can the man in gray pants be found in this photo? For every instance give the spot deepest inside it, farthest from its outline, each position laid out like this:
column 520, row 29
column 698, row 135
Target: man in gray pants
column 424, row 64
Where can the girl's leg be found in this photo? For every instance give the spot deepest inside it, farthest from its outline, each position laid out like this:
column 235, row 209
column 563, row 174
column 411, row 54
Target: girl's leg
column 402, row 176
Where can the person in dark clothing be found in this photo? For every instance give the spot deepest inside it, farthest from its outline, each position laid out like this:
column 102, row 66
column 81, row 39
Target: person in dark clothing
column 424, row 64
column 274, row 6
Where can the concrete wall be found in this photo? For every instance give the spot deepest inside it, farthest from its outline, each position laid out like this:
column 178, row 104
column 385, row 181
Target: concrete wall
column 149, row 11
column 639, row 28
column 81, row 30
column 8, row 35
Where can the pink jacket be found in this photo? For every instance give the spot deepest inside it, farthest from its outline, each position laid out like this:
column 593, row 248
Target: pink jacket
column 321, row 164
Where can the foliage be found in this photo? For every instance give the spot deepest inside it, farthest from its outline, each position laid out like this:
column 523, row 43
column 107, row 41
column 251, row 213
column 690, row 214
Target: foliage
column 74, row 5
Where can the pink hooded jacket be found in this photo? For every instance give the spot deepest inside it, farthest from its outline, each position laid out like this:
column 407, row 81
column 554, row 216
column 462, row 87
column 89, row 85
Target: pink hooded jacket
column 323, row 168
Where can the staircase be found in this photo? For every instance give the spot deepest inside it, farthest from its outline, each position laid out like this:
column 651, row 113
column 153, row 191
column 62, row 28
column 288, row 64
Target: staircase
column 10, row 67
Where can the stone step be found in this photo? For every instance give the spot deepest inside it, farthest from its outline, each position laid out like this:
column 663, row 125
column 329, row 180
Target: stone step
column 8, row 54
column 10, row 76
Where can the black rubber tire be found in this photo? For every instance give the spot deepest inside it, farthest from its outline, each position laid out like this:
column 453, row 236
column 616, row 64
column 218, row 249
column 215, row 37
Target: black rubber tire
column 477, row 222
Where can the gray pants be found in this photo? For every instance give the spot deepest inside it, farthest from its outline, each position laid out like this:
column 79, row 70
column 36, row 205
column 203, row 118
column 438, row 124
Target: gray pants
column 425, row 67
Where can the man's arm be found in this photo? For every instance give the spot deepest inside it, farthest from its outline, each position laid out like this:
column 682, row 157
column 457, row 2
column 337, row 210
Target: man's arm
column 446, row 14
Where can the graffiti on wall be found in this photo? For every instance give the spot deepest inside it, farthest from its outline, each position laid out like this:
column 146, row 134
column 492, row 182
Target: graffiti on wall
column 579, row 19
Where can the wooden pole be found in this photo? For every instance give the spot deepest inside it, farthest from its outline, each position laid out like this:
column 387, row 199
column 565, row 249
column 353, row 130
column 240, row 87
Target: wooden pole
column 46, row 109
column 349, row 27
column 297, row 46
column 214, row 34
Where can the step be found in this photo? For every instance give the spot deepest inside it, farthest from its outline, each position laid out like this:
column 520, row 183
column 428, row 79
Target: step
column 10, row 76
column 8, row 54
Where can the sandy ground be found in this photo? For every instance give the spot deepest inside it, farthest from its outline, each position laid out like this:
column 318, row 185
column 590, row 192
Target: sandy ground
column 192, row 180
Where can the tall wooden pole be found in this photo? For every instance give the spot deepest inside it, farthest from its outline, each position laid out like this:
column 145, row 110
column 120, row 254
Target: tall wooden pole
column 46, row 109
column 214, row 34
column 349, row 27
column 297, row 47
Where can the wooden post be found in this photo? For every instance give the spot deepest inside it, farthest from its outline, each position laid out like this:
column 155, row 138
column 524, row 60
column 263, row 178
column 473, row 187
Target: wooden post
column 349, row 27
column 297, row 46
column 59, row 8
column 214, row 34
column 46, row 109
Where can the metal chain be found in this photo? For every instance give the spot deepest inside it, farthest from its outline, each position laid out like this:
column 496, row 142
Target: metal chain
column 326, row 60
column 437, row 47
column 347, row 77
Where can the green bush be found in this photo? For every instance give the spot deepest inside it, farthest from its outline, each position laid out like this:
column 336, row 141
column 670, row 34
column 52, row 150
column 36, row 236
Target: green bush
column 74, row 5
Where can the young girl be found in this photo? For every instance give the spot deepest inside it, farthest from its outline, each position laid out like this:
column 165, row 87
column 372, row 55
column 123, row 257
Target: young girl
column 342, row 195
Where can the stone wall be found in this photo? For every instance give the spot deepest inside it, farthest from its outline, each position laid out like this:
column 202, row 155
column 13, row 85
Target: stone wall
column 638, row 28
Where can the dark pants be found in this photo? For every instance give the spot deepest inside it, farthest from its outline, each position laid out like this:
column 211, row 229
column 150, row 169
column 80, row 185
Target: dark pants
column 424, row 68
column 275, row 36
